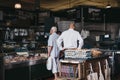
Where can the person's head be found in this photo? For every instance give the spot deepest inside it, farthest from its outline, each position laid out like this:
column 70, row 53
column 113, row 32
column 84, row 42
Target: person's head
column 72, row 25
column 53, row 30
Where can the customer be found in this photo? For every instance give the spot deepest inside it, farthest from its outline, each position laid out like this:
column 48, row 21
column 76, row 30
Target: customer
column 53, row 50
column 71, row 39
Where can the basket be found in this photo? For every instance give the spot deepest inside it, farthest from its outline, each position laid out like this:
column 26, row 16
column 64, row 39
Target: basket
column 76, row 53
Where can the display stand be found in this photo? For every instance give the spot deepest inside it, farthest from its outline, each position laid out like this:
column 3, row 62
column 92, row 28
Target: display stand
column 74, row 69
column 79, row 69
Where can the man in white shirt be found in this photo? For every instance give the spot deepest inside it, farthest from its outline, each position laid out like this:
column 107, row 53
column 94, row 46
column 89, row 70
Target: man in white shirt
column 53, row 50
column 70, row 39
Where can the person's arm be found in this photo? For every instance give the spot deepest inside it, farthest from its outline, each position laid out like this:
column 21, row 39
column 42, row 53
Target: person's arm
column 49, row 50
column 50, row 45
column 59, row 42
column 81, row 42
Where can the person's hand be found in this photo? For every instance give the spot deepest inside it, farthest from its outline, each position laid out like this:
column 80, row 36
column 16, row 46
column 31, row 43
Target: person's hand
column 78, row 49
column 63, row 49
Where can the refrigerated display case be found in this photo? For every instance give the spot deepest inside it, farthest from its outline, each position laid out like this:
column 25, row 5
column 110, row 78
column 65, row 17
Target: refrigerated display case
column 29, row 65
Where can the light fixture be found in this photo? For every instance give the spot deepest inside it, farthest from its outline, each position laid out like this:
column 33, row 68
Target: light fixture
column 18, row 6
column 108, row 5
column 71, row 10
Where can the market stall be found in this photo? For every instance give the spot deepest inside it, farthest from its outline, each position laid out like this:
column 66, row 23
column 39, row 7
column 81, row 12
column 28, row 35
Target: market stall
column 81, row 67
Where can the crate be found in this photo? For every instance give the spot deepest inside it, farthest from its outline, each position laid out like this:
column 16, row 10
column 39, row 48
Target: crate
column 73, row 54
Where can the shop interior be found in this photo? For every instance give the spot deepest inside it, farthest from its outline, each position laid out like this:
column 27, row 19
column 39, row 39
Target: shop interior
column 24, row 32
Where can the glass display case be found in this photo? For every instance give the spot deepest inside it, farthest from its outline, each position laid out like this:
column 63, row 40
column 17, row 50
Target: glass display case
column 22, row 64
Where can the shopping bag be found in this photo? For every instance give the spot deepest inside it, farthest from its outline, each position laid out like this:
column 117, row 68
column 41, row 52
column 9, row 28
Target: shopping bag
column 92, row 75
column 101, row 77
column 49, row 63
column 107, row 71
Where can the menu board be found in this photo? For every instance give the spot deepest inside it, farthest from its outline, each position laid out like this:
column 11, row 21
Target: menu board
column 42, row 16
column 25, row 15
column 94, row 14
column 63, row 25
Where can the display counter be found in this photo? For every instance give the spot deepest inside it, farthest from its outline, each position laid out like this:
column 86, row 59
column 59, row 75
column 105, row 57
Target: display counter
column 27, row 70
column 1, row 67
column 33, row 67
column 24, row 63
column 22, row 67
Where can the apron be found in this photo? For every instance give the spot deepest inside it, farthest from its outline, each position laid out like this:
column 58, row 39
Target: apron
column 101, row 77
column 93, row 75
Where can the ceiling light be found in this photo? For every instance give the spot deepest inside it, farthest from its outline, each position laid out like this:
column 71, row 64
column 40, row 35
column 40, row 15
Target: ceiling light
column 108, row 5
column 18, row 6
column 72, row 10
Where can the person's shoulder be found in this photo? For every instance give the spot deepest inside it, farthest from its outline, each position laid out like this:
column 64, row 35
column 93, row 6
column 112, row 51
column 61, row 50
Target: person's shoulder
column 64, row 31
column 53, row 36
column 76, row 31
column 50, row 36
column 56, row 35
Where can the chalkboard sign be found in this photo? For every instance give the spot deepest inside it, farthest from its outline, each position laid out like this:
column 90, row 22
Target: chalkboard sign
column 94, row 14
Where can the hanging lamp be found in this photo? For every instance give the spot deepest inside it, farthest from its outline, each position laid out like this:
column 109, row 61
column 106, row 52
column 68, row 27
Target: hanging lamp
column 18, row 5
column 108, row 5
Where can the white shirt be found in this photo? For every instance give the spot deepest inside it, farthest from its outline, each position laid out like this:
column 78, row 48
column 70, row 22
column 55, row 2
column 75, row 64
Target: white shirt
column 69, row 39
column 52, row 41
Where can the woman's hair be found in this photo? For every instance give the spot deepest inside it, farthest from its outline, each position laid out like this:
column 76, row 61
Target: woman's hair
column 54, row 29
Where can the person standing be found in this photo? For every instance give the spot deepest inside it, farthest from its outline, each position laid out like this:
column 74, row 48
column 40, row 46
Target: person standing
column 53, row 50
column 71, row 39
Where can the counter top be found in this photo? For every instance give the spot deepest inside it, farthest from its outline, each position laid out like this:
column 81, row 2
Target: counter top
column 80, row 60
column 24, row 63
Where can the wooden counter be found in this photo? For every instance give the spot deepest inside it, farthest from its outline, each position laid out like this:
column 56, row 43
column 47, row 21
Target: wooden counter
column 80, row 68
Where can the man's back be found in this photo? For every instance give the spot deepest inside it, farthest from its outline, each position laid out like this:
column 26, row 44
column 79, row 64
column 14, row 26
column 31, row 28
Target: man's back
column 69, row 38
